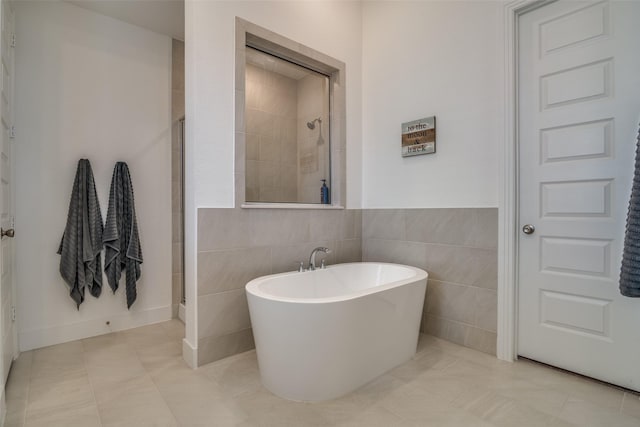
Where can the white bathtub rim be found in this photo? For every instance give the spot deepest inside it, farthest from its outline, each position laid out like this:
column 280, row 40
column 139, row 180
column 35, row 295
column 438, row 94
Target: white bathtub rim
column 252, row 287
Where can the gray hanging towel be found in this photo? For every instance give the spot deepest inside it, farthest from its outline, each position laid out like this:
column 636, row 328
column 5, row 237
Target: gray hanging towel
column 81, row 244
column 630, row 271
column 121, row 240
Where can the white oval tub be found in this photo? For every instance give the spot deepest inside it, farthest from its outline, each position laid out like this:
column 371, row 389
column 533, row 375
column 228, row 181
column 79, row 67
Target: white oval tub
column 321, row 334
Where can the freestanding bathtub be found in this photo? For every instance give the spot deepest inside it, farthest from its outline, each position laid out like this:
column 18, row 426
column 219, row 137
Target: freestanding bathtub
column 321, row 334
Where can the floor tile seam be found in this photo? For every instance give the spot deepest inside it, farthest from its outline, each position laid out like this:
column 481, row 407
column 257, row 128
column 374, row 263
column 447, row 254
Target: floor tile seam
column 155, row 386
column 84, row 373
column 553, row 414
column 512, row 404
column 468, row 406
column 110, row 348
column 134, row 347
column 575, row 375
column 460, row 359
column 593, row 403
column 26, row 400
column 102, row 363
column 491, row 412
column 523, row 403
column 564, row 402
column 93, row 393
column 212, row 380
column 562, row 408
column 449, row 351
column 443, row 365
column 165, row 327
column 393, row 412
column 146, row 373
column 130, row 336
column 635, row 393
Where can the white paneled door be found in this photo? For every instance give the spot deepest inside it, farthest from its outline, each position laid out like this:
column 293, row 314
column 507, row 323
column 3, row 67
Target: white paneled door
column 7, row 292
column 578, row 114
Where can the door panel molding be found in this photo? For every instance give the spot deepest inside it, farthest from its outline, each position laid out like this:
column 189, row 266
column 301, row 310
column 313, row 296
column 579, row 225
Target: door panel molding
column 558, row 290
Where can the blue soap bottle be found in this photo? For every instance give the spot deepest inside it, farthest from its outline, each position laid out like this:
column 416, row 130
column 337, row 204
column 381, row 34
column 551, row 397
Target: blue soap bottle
column 324, row 193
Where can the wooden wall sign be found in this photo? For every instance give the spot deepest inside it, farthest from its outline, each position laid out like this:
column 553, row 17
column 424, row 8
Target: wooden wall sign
column 419, row 137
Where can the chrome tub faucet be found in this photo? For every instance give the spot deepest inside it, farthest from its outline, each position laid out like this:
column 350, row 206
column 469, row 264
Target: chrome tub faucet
column 312, row 257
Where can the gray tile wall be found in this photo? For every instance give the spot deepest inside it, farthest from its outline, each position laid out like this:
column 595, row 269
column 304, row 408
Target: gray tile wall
column 271, row 136
column 177, row 111
column 458, row 247
column 237, row 245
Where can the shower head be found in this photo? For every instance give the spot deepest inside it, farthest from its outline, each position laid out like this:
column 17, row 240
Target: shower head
column 312, row 124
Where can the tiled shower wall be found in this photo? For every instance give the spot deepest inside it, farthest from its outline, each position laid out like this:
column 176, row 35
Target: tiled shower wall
column 271, row 145
column 458, row 247
column 237, row 245
column 313, row 151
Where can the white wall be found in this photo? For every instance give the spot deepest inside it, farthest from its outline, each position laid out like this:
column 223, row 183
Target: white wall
column 88, row 86
column 432, row 58
column 333, row 28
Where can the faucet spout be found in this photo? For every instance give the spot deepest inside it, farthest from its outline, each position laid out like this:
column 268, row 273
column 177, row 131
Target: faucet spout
column 312, row 258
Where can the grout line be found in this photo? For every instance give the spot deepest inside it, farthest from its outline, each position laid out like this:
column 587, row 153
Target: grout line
column 564, row 403
column 462, row 323
column 226, row 291
column 460, row 284
column 27, row 394
column 233, row 249
column 26, row 398
column 93, row 392
column 453, row 245
column 153, row 381
column 155, row 385
column 584, row 377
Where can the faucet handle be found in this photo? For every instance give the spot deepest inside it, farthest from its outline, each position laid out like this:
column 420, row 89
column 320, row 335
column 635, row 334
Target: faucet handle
column 300, row 266
column 322, row 264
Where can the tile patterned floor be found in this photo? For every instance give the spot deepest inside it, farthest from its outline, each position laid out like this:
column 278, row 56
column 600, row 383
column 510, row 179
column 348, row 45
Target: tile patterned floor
column 138, row 378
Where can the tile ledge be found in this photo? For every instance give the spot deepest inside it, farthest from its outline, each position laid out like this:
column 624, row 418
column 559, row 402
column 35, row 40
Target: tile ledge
column 289, row 206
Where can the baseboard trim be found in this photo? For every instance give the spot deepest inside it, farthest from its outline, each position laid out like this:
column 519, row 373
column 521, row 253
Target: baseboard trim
column 174, row 311
column 189, row 354
column 181, row 311
column 3, row 407
column 29, row 340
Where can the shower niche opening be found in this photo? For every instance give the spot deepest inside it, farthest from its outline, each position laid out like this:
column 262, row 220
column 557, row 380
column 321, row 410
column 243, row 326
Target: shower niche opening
column 291, row 129
column 287, row 130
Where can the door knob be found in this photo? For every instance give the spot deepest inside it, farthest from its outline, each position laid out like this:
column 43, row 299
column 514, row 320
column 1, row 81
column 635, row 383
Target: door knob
column 528, row 229
column 9, row 233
